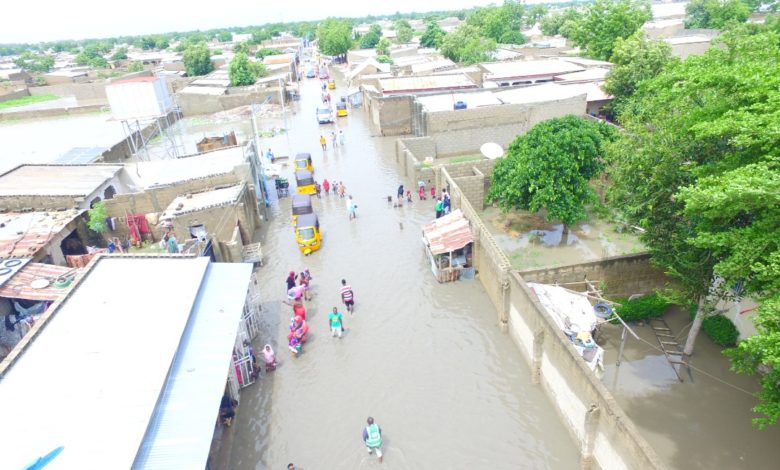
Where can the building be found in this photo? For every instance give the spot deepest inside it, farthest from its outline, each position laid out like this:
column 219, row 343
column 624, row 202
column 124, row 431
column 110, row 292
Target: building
column 695, row 42
column 501, row 74
column 137, row 384
column 44, row 236
column 66, row 76
column 597, row 74
column 60, row 186
column 425, row 84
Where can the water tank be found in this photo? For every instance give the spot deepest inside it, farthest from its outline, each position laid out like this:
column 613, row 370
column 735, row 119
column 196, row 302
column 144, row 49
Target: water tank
column 138, row 98
column 460, row 105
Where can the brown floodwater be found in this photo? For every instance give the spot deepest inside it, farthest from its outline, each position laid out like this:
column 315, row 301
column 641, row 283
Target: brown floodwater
column 701, row 423
column 426, row 360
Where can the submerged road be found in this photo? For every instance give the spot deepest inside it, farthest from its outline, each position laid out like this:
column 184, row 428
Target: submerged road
column 426, row 360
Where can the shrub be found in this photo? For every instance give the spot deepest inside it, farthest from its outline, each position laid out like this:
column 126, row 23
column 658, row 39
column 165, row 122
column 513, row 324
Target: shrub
column 721, row 330
column 642, row 308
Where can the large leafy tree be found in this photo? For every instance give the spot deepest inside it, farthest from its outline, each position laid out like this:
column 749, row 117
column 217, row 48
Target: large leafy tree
column 383, row 47
column 403, row 31
column 697, row 169
column 433, row 35
column 636, row 59
column 715, row 13
column 500, row 23
column 466, row 45
column 197, row 60
column 604, row 21
column 560, row 23
column 550, row 168
column 369, row 40
column 244, row 72
column 335, row 36
column 34, row 62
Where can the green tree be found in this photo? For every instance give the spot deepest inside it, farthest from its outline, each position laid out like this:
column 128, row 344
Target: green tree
column 258, row 36
column 433, row 35
column 34, row 62
column 241, row 48
column 197, row 60
column 335, row 36
column 369, row 40
column 383, row 59
column 467, row 46
column 136, row 66
column 119, row 54
column 243, row 72
column 98, row 62
column 715, row 14
column 636, row 59
column 403, row 31
column 383, row 47
column 500, row 23
column 534, row 14
column 560, row 23
column 224, row 36
column 375, row 28
column 550, row 168
column 266, row 51
column 604, row 21
column 699, row 123
column 97, row 215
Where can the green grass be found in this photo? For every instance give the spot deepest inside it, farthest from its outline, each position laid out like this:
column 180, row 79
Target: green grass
column 25, row 100
column 465, row 158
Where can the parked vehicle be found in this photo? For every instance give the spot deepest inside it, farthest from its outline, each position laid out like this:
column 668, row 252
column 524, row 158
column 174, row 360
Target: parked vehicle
column 301, row 205
column 303, row 162
column 341, row 109
column 305, row 182
column 331, row 84
column 307, row 233
column 324, row 115
column 311, row 73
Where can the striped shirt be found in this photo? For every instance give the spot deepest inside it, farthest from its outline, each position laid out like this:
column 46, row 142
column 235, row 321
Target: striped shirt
column 346, row 293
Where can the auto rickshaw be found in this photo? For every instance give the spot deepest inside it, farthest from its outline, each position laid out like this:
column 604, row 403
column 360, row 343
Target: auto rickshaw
column 341, row 109
column 331, row 84
column 303, row 162
column 305, row 182
column 301, row 205
column 307, row 233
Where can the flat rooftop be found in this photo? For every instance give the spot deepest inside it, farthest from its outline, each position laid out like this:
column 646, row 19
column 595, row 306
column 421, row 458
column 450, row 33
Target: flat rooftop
column 177, row 170
column 688, row 39
column 148, row 393
column 203, row 200
column 56, row 180
column 426, row 83
column 539, row 93
column 445, row 102
column 589, row 75
column 528, row 69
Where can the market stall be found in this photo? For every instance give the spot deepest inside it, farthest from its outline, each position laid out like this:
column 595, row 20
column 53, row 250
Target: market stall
column 448, row 244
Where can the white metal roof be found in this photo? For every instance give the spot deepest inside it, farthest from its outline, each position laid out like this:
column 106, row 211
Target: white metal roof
column 527, row 68
column 91, row 379
column 181, row 429
column 588, row 75
column 539, row 93
column 166, row 172
column 203, row 200
column 445, row 102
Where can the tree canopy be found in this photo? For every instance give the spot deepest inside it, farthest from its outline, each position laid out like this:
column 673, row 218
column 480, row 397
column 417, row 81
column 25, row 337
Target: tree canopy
column 698, row 169
column 604, row 21
column 369, row 40
column 34, row 62
column 243, row 72
column 466, row 45
column 550, row 168
column 383, row 47
column 197, row 60
column 403, row 31
column 500, row 23
column 433, row 35
column 335, row 36
column 635, row 60
column 715, row 14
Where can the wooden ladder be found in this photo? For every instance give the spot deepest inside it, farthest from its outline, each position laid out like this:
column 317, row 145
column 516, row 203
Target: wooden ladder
column 669, row 345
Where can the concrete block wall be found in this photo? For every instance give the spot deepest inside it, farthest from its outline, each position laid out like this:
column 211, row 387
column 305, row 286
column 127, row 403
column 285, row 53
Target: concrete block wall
column 395, row 114
column 607, row 437
column 620, row 276
column 94, row 91
column 192, row 105
column 473, row 188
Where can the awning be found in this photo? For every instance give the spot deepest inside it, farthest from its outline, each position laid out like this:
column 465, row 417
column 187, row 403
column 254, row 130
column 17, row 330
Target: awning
column 19, row 286
column 448, row 233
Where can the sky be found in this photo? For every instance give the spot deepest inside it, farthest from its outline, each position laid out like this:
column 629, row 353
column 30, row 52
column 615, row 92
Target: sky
column 80, row 19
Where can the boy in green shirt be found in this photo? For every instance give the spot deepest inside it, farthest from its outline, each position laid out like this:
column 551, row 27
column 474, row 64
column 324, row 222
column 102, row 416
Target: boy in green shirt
column 336, row 321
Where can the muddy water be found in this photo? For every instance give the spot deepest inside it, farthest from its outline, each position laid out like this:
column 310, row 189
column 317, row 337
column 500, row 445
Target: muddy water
column 698, row 424
column 426, row 360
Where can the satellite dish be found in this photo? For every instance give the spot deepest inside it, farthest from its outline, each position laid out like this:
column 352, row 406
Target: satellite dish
column 491, row 150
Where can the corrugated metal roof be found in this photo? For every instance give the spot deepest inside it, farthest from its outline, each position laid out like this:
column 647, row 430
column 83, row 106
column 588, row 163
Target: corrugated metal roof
column 448, row 233
column 22, row 234
column 19, row 286
column 56, row 180
column 81, row 155
column 182, row 427
column 113, row 347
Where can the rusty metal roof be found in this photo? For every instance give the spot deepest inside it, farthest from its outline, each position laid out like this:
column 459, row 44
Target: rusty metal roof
column 19, row 286
column 22, row 234
column 448, row 233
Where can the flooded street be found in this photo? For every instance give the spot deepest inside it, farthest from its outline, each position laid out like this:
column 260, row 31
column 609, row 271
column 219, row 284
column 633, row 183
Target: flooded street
column 426, row 360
